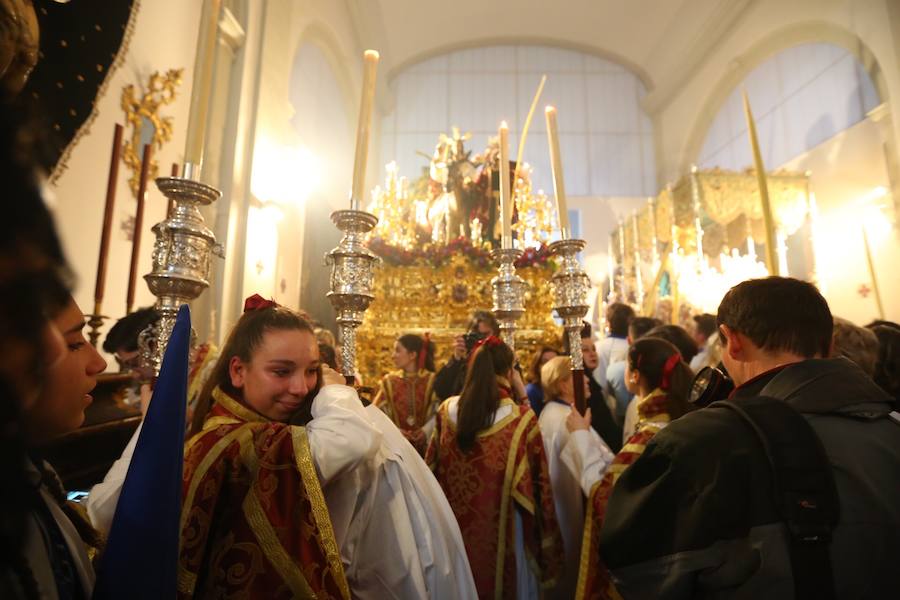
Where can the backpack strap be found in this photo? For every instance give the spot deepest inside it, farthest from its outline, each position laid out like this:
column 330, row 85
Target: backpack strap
column 803, row 484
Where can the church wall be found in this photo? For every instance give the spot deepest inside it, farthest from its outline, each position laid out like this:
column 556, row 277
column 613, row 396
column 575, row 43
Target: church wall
column 766, row 27
column 263, row 112
column 278, row 236
column 164, row 38
column 844, row 171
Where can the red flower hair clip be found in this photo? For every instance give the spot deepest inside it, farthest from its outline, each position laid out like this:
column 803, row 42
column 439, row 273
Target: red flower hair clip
column 257, row 302
column 667, row 370
column 491, row 341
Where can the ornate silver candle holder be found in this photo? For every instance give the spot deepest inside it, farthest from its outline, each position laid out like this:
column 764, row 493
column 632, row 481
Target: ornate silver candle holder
column 570, row 285
column 352, row 280
column 508, row 292
column 181, row 261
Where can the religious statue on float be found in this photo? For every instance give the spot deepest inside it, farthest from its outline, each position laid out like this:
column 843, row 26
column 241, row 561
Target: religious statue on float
column 455, row 201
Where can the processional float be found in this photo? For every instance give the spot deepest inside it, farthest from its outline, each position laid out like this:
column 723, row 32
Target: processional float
column 680, row 236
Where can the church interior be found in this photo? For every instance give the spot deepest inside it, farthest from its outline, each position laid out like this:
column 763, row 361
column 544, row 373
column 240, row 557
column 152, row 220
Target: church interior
column 390, row 166
column 645, row 92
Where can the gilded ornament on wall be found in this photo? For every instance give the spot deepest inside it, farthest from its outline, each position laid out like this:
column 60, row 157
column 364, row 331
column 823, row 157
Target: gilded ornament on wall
column 148, row 126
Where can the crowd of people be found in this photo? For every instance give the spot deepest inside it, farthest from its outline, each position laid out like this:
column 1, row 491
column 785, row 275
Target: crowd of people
column 465, row 482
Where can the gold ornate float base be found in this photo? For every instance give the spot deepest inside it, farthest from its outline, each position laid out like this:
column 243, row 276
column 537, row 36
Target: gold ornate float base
column 421, row 298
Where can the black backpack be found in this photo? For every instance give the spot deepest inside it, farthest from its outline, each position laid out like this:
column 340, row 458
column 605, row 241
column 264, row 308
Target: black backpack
column 803, row 484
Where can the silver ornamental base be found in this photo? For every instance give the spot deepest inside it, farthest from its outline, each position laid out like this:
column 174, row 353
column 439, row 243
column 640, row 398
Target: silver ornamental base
column 508, row 293
column 570, row 285
column 352, row 280
column 181, row 261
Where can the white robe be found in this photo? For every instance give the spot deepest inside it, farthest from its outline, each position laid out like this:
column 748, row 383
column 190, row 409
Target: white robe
column 397, row 533
column 566, row 472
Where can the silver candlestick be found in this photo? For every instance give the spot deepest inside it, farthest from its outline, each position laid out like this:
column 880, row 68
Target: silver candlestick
column 508, row 292
column 571, row 285
column 352, row 280
column 181, row 261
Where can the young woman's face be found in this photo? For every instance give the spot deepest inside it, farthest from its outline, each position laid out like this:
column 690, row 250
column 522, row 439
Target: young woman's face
column 403, row 358
column 68, row 381
column 280, row 374
column 567, row 389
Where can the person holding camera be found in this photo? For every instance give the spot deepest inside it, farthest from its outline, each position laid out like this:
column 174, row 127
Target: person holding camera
column 449, row 380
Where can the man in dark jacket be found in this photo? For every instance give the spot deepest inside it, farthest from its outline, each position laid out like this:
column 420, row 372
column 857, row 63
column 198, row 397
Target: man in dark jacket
column 696, row 515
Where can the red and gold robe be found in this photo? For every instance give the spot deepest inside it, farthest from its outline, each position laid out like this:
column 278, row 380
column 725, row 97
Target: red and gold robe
column 593, row 576
column 254, row 523
column 409, row 401
column 506, row 471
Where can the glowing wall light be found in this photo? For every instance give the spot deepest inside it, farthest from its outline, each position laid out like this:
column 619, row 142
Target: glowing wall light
column 284, row 174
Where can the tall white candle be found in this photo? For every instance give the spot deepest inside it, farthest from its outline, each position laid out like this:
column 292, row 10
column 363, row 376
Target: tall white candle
column 364, row 127
column 505, row 200
column 559, row 187
column 202, row 86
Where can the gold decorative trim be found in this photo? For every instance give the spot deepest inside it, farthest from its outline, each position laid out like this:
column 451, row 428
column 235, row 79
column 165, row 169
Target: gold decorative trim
column 63, row 163
column 236, row 408
column 589, row 525
column 504, row 501
column 307, row 469
column 272, row 548
column 199, row 473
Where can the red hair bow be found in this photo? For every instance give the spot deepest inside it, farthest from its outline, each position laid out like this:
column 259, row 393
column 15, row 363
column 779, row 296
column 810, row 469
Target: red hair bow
column 491, row 341
column 257, row 302
column 426, row 340
column 667, row 370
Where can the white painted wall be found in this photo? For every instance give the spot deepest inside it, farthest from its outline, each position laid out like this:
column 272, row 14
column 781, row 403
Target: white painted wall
column 606, row 138
column 765, row 28
column 843, row 170
column 800, row 98
column 81, row 190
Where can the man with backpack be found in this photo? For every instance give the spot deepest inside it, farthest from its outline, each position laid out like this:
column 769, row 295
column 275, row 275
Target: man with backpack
column 789, row 489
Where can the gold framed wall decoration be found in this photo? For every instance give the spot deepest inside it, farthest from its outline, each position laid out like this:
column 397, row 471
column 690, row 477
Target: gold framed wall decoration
column 146, row 125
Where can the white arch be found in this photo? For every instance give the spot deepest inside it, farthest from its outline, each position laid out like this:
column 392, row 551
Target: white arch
column 766, row 48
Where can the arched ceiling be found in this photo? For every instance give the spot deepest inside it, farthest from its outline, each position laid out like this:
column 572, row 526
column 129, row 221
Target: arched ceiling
column 655, row 38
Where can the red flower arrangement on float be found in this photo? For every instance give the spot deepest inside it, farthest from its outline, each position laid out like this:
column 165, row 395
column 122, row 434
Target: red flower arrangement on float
column 438, row 255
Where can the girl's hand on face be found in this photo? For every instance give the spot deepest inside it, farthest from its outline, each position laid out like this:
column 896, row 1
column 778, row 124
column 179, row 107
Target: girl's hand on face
column 576, row 421
column 332, row 377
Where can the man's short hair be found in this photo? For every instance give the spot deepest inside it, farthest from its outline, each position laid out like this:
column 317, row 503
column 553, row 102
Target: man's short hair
column 618, row 316
column 706, row 324
column 858, row 344
column 124, row 334
column 779, row 314
column 639, row 327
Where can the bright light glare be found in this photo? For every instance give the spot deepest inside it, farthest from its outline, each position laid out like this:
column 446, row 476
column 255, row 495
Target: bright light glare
column 877, row 225
column 284, row 174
